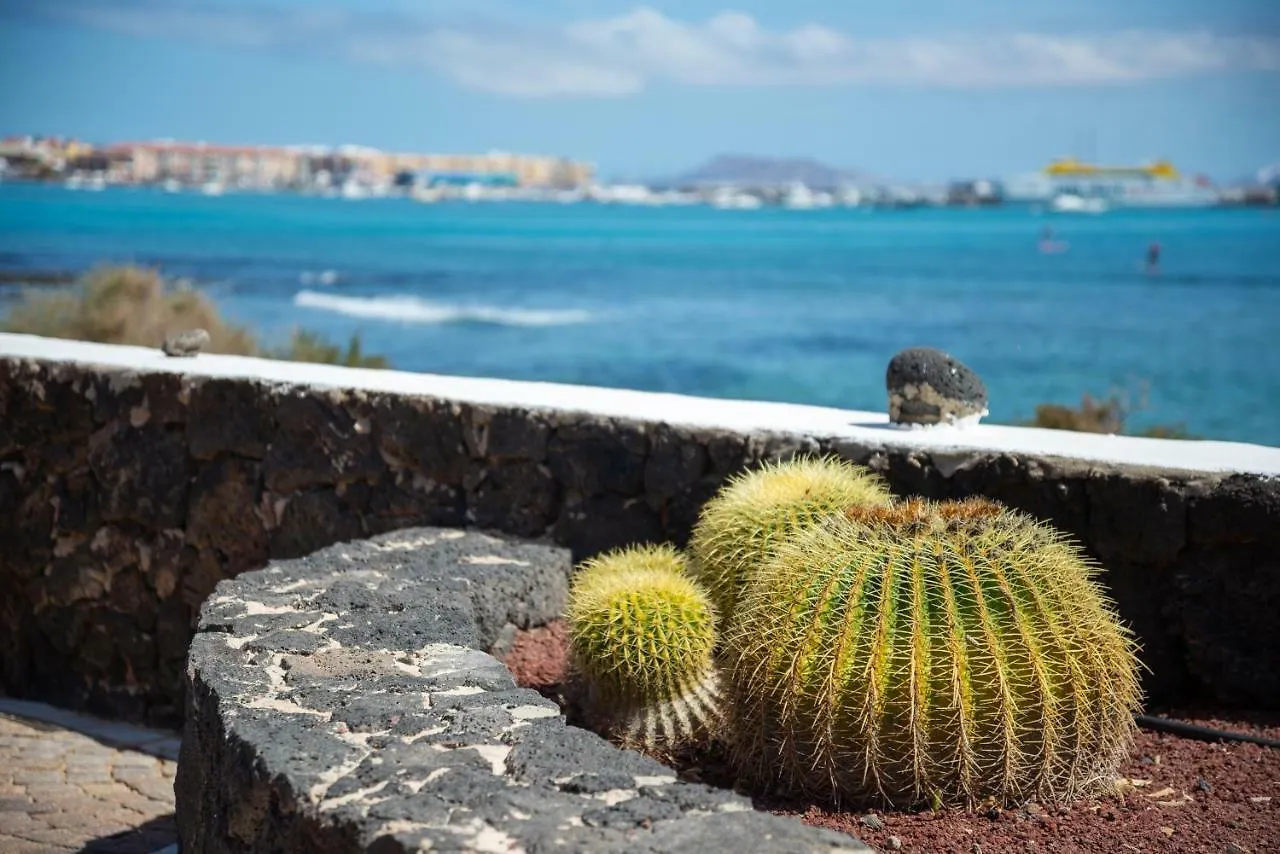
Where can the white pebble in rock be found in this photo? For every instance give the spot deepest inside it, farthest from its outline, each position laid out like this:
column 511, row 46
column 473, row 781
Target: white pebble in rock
column 185, row 343
column 927, row 386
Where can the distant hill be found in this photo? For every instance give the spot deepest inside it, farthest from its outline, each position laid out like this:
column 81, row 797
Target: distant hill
column 757, row 171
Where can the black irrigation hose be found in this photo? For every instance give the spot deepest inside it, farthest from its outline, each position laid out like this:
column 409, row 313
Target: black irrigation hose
column 1203, row 733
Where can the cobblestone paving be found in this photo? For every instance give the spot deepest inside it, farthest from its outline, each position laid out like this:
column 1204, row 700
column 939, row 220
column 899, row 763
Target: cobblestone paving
column 74, row 783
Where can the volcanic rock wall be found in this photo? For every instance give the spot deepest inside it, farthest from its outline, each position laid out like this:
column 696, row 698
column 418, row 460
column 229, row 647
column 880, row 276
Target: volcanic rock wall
column 127, row 494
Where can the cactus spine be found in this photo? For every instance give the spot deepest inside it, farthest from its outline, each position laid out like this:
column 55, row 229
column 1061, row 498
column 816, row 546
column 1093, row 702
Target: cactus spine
column 930, row 654
column 739, row 528
column 641, row 636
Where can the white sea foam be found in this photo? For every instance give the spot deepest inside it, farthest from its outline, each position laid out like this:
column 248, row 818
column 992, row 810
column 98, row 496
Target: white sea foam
column 324, row 277
column 414, row 310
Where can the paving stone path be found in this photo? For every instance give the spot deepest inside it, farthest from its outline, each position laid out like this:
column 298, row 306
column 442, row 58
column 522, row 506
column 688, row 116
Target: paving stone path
column 72, row 783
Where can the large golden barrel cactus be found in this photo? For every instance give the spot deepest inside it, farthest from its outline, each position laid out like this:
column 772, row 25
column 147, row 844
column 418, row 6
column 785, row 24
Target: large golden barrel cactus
column 739, row 528
column 930, row 654
column 641, row 637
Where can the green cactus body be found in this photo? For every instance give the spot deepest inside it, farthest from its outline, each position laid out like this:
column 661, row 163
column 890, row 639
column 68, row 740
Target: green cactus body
column 641, row 635
column 739, row 528
column 930, row 654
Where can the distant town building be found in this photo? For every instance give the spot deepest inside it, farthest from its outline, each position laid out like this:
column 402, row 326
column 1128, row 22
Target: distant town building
column 41, row 155
column 520, row 169
column 199, row 163
column 278, row 167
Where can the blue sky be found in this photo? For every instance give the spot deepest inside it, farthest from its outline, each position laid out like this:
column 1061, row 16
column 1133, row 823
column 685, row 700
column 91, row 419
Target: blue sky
column 926, row 89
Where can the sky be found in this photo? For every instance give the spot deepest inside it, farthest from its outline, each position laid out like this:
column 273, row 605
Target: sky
column 923, row 90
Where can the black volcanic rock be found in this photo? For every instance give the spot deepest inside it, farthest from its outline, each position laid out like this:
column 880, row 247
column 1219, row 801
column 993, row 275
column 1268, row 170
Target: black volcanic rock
column 928, row 386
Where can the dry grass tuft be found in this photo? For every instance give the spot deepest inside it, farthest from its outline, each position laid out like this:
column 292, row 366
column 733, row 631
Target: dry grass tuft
column 136, row 306
column 1104, row 415
column 127, row 305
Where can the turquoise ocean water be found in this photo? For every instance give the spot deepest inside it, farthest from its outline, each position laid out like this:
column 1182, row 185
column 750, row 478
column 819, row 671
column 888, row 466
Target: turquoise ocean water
column 770, row 304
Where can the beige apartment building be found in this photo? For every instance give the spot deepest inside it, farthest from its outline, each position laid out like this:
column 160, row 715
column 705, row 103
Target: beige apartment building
column 528, row 170
column 265, row 167
column 245, row 166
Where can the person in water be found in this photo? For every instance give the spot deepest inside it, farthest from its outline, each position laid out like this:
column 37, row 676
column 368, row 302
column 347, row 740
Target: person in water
column 1153, row 256
column 1048, row 244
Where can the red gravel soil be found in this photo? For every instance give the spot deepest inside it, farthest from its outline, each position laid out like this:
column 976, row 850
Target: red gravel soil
column 539, row 658
column 1176, row 794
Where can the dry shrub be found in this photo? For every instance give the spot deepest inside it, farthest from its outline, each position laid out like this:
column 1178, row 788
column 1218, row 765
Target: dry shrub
column 127, row 305
column 1105, row 416
column 309, row 347
column 135, row 305
column 1092, row 416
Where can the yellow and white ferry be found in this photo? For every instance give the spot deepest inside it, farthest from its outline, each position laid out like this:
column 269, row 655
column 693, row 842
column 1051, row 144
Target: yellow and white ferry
column 1157, row 184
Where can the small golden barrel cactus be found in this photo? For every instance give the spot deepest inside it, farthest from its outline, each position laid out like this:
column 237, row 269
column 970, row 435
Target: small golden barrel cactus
column 930, row 654
column 641, row 636
column 738, row 529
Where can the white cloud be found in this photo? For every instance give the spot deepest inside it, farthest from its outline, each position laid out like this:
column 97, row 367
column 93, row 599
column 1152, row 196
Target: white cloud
column 732, row 49
column 232, row 27
column 526, row 69
column 621, row 55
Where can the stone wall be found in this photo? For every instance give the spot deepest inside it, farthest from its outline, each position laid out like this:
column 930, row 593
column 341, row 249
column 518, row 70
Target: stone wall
column 344, row 703
column 127, row 494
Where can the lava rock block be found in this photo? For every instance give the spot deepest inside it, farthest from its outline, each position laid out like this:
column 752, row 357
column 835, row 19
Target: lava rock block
column 345, row 702
column 928, row 386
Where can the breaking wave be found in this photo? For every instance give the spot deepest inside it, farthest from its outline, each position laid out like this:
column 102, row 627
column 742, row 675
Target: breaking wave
column 414, row 310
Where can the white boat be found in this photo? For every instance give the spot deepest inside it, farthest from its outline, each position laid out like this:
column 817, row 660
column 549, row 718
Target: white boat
column 93, row 181
column 623, row 194
column 426, row 195
column 212, row 188
column 799, row 197
column 1151, row 185
column 172, row 186
column 849, row 197
column 1075, row 203
column 732, row 200
column 354, row 190
column 675, row 197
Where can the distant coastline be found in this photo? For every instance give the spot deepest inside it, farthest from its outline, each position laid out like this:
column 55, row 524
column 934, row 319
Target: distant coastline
column 729, row 182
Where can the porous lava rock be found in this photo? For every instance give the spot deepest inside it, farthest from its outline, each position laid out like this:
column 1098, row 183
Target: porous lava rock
column 928, row 386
